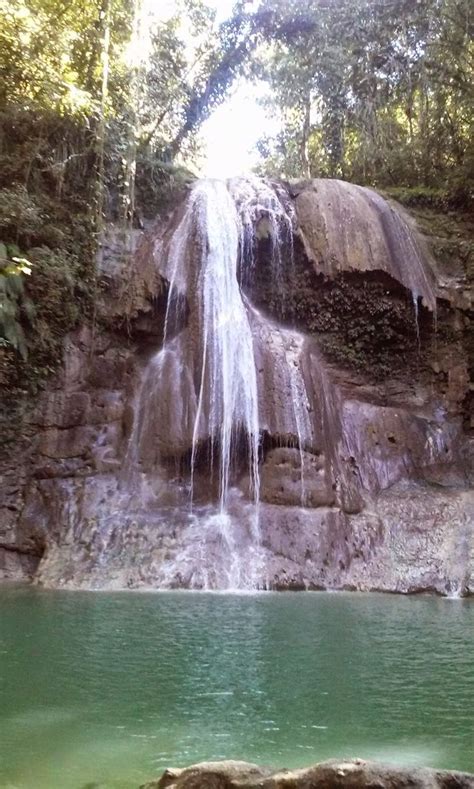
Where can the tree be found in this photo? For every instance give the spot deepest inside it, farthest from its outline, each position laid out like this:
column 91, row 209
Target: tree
column 387, row 85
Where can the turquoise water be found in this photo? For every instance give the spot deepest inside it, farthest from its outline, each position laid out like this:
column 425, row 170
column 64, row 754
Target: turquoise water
column 106, row 690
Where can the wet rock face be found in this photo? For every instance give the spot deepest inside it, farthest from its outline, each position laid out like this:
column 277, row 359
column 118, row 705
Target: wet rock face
column 353, row 774
column 393, row 342
column 365, row 456
column 345, row 227
column 289, row 476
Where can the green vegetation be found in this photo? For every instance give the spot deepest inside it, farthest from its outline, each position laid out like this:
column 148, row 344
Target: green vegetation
column 379, row 92
column 70, row 116
column 90, row 129
column 47, row 247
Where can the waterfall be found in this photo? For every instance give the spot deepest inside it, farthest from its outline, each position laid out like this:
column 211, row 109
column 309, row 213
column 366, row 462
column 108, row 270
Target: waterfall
column 265, row 211
column 213, row 355
column 227, row 373
column 198, row 397
column 228, row 381
column 300, row 406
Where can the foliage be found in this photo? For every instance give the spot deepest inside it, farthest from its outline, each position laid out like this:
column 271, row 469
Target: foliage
column 13, row 301
column 186, row 77
column 52, row 52
column 47, row 266
column 86, row 123
column 159, row 185
column 374, row 91
column 51, row 55
column 18, row 210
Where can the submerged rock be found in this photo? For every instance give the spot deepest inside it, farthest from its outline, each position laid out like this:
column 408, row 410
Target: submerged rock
column 333, row 774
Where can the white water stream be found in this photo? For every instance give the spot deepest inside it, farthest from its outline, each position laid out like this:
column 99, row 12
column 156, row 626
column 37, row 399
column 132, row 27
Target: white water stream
column 199, row 392
column 227, row 397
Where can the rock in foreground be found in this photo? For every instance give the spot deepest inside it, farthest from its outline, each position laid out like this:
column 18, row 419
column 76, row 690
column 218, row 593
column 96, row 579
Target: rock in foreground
column 353, row 774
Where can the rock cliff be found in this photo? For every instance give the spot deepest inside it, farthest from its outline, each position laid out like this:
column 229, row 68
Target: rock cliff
column 358, row 435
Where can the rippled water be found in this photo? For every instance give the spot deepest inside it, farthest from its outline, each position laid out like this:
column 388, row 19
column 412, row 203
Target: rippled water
column 105, row 690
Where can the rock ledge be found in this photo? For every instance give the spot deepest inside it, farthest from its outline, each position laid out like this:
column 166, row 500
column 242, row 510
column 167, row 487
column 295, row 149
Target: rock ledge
column 333, row 774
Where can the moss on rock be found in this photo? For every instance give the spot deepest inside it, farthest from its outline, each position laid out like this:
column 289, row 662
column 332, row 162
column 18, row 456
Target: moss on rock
column 363, row 320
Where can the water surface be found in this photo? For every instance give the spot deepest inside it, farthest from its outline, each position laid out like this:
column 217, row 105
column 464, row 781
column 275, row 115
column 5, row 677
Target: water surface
column 106, row 690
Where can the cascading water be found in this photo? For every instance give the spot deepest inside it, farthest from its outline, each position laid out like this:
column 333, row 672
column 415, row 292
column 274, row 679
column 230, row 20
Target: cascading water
column 264, row 211
column 300, row 404
column 417, row 321
column 199, row 392
column 228, row 382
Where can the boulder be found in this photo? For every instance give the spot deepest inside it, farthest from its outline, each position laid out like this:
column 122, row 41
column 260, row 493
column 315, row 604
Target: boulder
column 333, row 774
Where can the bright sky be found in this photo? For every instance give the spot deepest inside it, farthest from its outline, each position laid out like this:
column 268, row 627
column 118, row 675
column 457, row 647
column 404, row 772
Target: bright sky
column 230, row 135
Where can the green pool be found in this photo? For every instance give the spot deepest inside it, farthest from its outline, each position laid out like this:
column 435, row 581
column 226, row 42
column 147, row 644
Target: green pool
column 106, row 690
